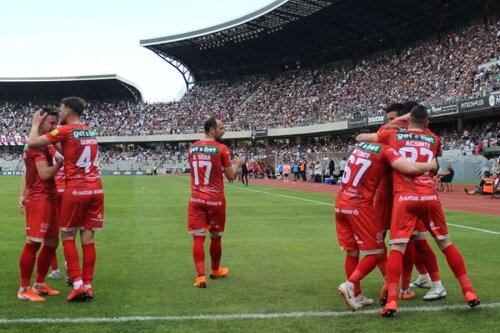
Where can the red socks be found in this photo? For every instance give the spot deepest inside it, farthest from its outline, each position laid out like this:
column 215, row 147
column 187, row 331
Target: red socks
column 199, row 254
column 89, row 256
column 429, row 258
column 349, row 267
column 215, row 252
column 457, row 265
column 72, row 259
column 394, row 269
column 27, row 263
column 364, row 267
column 408, row 259
column 43, row 262
column 382, row 262
column 53, row 265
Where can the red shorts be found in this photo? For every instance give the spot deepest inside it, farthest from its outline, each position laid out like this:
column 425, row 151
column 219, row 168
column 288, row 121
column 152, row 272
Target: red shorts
column 206, row 215
column 59, row 195
column 357, row 229
column 411, row 209
column 82, row 209
column 41, row 219
column 382, row 206
column 420, row 229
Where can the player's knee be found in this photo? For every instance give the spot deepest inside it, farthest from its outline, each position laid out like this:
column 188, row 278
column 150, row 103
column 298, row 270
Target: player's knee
column 443, row 243
column 352, row 253
column 51, row 242
column 401, row 247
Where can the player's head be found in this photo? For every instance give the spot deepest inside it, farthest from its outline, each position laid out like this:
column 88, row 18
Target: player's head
column 487, row 174
column 71, row 106
column 214, row 128
column 419, row 117
column 407, row 107
column 49, row 123
column 393, row 111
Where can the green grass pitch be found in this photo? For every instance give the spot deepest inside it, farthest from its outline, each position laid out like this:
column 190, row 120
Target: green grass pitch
column 283, row 255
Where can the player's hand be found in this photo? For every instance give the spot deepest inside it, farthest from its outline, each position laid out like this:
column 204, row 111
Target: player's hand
column 38, row 117
column 21, row 205
column 239, row 161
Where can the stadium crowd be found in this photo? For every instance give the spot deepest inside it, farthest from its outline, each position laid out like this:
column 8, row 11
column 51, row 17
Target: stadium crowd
column 470, row 140
column 433, row 73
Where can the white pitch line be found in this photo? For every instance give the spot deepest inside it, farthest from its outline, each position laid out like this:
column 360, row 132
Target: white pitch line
column 331, row 204
column 236, row 316
column 287, row 196
column 475, row 229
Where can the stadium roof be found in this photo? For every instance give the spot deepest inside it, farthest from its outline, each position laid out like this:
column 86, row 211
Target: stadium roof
column 94, row 87
column 291, row 33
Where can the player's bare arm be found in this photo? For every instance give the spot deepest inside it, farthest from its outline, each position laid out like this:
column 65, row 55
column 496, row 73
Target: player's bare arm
column 35, row 140
column 367, row 137
column 232, row 171
column 405, row 117
column 413, row 168
column 47, row 172
column 22, row 195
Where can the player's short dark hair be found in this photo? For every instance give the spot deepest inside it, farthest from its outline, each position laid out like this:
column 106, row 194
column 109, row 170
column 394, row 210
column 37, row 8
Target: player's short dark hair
column 394, row 107
column 76, row 104
column 407, row 107
column 210, row 123
column 487, row 174
column 419, row 115
column 50, row 112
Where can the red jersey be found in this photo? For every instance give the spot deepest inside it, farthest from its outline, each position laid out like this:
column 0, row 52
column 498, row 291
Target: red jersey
column 207, row 160
column 60, row 177
column 80, row 151
column 397, row 125
column 363, row 171
column 36, row 187
column 417, row 146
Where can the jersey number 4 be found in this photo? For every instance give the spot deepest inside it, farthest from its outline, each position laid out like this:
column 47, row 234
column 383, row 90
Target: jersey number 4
column 202, row 164
column 84, row 161
column 365, row 164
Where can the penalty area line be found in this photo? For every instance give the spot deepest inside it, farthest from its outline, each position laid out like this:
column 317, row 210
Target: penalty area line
column 238, row 316
column 331, row 205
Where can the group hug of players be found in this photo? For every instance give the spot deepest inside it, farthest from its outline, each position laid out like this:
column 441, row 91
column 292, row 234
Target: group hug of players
column 388, row 185
column 75, row 205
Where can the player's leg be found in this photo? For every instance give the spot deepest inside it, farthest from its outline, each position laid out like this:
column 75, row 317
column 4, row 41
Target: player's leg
column 406, row 293
column 369, row 239
column 73, row 210
column 347, row 242
column 453, row 256
column 43, row 264
column 402, row 227
column 27, row 262
column 217, row 218
column 94, row 221
column 34, row 239
column 55, row 273
column 197, row 225
column 422, row 255
column 48, row 250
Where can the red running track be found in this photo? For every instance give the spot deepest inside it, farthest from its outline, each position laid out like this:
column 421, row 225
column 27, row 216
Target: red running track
column 456, row 200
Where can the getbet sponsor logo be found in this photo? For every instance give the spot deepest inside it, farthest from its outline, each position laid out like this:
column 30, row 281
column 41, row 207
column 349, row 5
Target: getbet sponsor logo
column 370, row 147
column 77, row 133
column 204, row 150
column 410, row 136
